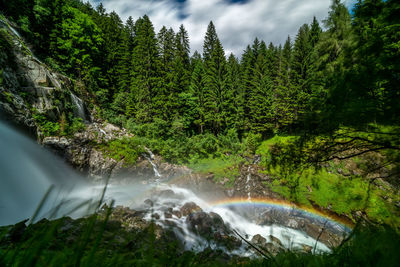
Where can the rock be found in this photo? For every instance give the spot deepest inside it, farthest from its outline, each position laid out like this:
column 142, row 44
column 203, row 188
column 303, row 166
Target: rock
column 189, row 208
column 228, row 241
column 149, row 203
column 275, row 240
column 306, row 248
column 99, row 166
column 167, row 194
column 217, row 220
column 258, row 240
column 273, row 247
column 155, row 216
column 200, row 222
column 292, row 224
column 17, row 231
column 177, row 213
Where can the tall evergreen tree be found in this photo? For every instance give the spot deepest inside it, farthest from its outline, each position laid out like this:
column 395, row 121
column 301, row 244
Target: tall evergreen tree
column 181, row 67
column 210, row 41
column 149, row 97
column 215, row 84
column 197, row 90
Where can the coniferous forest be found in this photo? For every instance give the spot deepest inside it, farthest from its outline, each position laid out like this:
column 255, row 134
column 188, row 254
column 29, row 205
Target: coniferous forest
column 321, row 79
column 306, row 111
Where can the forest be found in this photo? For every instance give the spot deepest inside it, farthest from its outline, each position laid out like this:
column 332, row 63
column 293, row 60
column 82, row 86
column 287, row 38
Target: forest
column 301, row 109
column 344, row 75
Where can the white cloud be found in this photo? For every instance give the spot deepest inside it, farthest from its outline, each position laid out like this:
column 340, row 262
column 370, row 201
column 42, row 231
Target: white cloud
column 237, row 24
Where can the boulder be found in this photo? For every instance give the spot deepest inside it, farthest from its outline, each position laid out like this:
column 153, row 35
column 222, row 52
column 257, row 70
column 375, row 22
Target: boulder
column 189, row 207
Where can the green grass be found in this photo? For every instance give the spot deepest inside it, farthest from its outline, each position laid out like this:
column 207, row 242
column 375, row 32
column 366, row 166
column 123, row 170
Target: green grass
column 221, row 167
column 342, row 195
column 325, row 187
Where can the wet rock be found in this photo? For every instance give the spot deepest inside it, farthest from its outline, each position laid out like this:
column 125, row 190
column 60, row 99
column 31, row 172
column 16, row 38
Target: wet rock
column 226, row 240
column 258, row 240
column 292, row 223
column 167, row 215
column 200, row 222
column 275, row 240
column 189, row 207
column 273, row 248
column 306, row 248
column 217, row 220
column 155, row 216
column 167, row 194
column 177, row 213
column 148, row 202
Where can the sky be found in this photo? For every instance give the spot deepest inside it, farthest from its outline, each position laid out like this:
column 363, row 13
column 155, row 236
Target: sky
column 238, row 22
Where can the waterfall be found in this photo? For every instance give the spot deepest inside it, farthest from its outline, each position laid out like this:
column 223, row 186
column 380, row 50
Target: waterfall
column 28, row 170
column 248, row 184
column 150, row 158
column 79, row 108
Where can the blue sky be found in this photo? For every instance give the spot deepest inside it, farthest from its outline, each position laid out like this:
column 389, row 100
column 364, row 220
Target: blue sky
column 237, row 22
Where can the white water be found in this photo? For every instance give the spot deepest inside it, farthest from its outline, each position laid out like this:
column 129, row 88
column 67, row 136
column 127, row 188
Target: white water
column 248, row 184
column 27, row 171
column 150, row 159
column 79, row 107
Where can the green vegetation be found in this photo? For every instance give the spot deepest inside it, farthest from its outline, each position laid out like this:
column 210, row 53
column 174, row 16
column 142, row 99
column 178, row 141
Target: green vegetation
column 322, row 110
column 336, row 185
column 128, row 149
column 49, row 127
column 221, row 168
column 99, row 240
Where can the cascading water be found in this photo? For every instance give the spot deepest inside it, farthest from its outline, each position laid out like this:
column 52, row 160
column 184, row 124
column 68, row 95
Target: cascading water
column 248, row 179
column 27, row 170
column 79, row 107
column 150, row 158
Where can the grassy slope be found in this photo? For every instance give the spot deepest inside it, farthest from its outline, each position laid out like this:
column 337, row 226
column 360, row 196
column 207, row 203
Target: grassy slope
column 327, row 188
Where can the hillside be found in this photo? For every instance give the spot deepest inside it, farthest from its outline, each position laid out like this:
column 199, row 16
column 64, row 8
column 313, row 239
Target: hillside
column 303, row 138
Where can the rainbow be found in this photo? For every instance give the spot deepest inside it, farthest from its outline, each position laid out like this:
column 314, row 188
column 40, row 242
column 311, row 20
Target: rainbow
column 282, row 204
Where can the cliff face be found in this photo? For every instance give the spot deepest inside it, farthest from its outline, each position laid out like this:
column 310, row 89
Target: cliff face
column 28, row 87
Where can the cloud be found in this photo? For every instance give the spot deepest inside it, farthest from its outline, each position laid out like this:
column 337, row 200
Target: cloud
column 237, row 22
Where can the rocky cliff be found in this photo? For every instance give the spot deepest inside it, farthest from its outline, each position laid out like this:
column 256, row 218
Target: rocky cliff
column 28, row 88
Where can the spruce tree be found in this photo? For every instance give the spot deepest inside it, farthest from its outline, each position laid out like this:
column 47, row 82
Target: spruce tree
column 215, row 86
column 210, row 41
column 146, row 84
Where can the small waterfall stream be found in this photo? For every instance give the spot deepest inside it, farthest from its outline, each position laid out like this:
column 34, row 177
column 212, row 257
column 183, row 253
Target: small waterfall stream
column 150, row 158
column 248, row 180
column 79, row 108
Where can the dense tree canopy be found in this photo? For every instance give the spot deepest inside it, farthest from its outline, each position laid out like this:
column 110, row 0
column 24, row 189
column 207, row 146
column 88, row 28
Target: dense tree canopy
column 133, row 74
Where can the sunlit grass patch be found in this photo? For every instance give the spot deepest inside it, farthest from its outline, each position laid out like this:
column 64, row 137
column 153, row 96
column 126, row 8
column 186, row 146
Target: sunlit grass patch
column 221, row 168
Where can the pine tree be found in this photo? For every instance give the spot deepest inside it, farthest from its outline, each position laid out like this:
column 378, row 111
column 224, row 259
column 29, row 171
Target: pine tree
column 261, row 113
column 181, row 68
column 234, row 103
column 197, row 90
column 145, row 86
column 215, row 85
column 210, row 41
column 126, row 50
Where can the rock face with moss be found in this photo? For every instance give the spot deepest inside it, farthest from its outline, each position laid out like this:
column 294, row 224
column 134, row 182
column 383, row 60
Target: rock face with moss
column 31, row 94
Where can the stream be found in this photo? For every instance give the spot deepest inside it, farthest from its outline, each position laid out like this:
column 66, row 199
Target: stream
column 28, row 171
